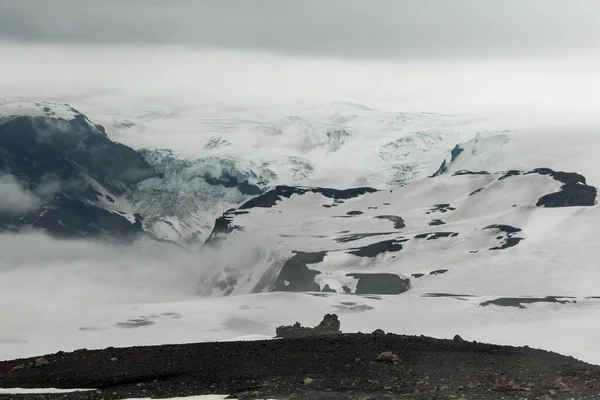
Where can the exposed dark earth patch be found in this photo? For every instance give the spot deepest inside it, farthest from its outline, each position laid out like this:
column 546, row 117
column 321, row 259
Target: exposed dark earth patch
column 328, row 289
column 319, row 363
column 504, row 228
column 521, row 301
column 440, row 208
column 438, row 272
column 373, row 250
column 223, row 226
column 380, row 283
column 509, row 240
column 455, row 152
column 476, row 191
column 465, row 172
column 574, row 191
column 436, row 222
column 446, row 295
column 295, row 276
column 229, row 181
column 508, row 174
column 358, row 236
column 352, row 213
column 134, row 323
column 310, row 258
column 270, row 198
column 436, row 235
column 418, row 275
column 398, row 221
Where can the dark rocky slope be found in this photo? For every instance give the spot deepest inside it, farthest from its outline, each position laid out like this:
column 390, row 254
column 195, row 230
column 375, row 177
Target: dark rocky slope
column 73, row 171
column 332, row 366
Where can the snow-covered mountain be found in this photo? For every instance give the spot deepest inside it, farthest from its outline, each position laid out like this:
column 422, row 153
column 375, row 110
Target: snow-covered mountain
column 59, row 160
column 62, row 174
column 431, row 234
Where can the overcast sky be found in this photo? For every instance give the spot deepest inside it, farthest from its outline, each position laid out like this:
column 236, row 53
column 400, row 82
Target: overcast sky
column 316, row 27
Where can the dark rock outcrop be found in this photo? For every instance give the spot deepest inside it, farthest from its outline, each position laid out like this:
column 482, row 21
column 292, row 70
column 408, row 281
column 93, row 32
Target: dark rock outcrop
column 223, row 226
column 330, row 325
column 380, row 283
column 441, row 170
column 465, row 172
column 441, row 208
column 476, row 191
column 295, row 276
column 438, row 272
column 508, row 239
column 575, row 192
column 455, row 152
column 373, row 250
column 398, row 221
column 521, row 301
column 357, row 236
column 229, row 181
column 436, row 235
column 508, row 174
column 436, row 222
column 270, row 198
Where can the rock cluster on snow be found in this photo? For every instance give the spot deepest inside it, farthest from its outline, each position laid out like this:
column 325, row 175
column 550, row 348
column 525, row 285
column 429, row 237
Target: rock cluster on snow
column 330, row 325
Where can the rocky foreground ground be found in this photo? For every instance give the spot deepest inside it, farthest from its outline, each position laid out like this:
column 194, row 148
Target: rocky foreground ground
column 326, row 365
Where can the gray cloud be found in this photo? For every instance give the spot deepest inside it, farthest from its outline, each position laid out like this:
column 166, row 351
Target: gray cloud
column 14, row 200
column 316, row 27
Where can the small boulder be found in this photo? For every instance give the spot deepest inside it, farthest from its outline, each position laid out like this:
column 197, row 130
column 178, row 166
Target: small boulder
column 308, row 381
column 329, row 325
column 40, row 362
column 387, row 356
column 457, row 338
column 17, row 367
column 378, row 332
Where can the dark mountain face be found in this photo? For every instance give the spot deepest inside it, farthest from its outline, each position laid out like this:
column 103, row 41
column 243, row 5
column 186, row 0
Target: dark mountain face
column 36, row 148
column 74, row 171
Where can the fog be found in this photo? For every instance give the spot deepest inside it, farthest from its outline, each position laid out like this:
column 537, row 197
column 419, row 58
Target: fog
column 175, row 78
column 14, row 199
